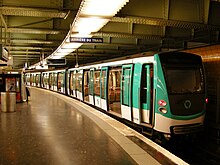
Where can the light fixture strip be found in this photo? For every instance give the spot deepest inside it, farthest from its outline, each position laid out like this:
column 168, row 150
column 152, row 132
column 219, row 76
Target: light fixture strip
column 91, row 17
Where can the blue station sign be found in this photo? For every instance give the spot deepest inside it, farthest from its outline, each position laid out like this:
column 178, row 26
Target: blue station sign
column 86, row 40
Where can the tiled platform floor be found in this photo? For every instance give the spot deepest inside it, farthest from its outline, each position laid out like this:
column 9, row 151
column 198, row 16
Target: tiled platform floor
column 49, row 130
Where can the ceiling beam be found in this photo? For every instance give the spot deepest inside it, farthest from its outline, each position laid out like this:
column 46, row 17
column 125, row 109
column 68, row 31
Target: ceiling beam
column 32, row 12
column 163, row 22
column 35, row 31
column 127, row 35
column 25, row 48
column 32, row 41
column 25, row 52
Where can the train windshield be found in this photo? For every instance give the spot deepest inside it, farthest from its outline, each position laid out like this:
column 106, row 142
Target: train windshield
column 184, row 79
column 183, row 72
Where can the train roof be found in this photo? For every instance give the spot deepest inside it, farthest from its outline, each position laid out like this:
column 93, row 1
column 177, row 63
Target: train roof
column 149, row 59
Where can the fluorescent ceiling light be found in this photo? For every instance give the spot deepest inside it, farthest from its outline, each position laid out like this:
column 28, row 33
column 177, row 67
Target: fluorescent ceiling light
column 91, row 17
column 87, row 25
column 58, row 57
column 65, row 50
column 61, row 53
column 102, row 7
column 69, row 45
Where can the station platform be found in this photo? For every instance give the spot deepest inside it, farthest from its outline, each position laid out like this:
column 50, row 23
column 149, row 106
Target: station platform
column 54, row 129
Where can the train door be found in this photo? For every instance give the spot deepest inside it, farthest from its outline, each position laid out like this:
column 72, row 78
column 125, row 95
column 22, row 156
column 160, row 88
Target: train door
column 91, row 86
column 146, row 95
column 114, row 90
column 104, row 84
column 126, row 94
column 86, row 86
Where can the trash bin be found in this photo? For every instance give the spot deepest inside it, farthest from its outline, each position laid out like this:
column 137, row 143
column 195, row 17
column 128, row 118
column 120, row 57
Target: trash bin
column 8, row 101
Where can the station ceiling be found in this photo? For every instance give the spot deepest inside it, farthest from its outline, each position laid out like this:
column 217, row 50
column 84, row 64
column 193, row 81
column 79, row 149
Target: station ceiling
column 33, row 29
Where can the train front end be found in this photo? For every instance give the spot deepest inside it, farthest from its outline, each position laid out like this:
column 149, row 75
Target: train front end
column 180, row 95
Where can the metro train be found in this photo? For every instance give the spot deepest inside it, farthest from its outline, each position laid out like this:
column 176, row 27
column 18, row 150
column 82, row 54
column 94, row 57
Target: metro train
column 164, row 93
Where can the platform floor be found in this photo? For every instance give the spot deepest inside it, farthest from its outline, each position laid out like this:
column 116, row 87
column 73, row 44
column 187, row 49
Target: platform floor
column 56, row 130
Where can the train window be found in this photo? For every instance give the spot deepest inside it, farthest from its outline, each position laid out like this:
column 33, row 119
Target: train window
column 71, row 83
column 91, row 82
column 60, row 81
column 103, row 80
column 75, row 81
column 147, row 83
column 31, row 79
column 46, row 79
column 126, row 79
column 86, row 85
column 97, row 83
column 43, row 79
column 55, row 80
column 27, row 79
column 50, row 80
column 191, row 79
column 34, row 80
column 37, row 79
column 79, row 81
column 144, row 85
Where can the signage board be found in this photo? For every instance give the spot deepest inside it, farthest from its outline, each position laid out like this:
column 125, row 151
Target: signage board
column 86, row 40
column 56, row 61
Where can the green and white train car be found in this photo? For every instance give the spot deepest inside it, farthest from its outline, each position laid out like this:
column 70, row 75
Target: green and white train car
column 164, row 92
column 54, row 80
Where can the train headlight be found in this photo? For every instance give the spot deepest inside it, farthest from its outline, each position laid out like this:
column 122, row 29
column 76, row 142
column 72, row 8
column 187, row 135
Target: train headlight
column 163, row 110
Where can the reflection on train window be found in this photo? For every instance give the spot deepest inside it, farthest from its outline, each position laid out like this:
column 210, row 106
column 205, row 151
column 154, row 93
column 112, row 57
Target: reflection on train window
column 103, row 79
column 31, row 79
column 50, row 80
column 72, row 82
column 37, row 79
column 91, row 82
column 55, row 81
column 44, row 80
column 86, row 85
column 79, row 81
column 97, row 83
column 60, row 81
column 126, row 86
column 190, row 84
